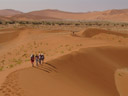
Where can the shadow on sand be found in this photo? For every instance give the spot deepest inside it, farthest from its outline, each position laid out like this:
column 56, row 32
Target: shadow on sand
column 46, row 67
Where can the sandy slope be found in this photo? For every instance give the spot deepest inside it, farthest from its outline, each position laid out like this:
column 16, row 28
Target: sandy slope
column 121, row 77
column 86, row 72
column 9, row 12
column 52, row 43
column 105, row 35
column 93, row 68
column 9, row 36
column 89, row 71
column 95, row 31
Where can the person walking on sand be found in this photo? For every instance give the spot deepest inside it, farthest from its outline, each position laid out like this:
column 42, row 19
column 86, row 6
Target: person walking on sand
column 32, row 60
column 37, row 59
column 42, row 58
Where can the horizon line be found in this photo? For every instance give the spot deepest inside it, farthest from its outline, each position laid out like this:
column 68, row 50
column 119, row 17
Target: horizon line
column 65, row 10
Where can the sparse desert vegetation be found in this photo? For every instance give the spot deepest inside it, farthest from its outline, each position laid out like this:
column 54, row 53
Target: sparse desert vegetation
column 65, row 25
column 74, row 46
column 52, row 52
column 37, row 45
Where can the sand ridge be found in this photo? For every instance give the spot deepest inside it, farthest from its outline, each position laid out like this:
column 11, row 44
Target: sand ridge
column 78, row 73
column 110, row 15
column 75, row 72
column 95, row 31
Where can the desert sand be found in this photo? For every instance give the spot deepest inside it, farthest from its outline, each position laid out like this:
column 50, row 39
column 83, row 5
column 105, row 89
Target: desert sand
column 83, row 64
column 121, row 77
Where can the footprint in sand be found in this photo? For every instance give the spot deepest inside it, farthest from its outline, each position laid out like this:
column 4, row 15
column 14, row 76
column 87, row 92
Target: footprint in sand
column 8, row 90
column 10, row 86
column 7, row 95
column 0, row 89
column 3, row 91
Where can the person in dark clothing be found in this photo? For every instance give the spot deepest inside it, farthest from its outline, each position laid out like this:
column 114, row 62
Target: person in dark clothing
column 42, row 58
column 32, row 59
column 37, row 60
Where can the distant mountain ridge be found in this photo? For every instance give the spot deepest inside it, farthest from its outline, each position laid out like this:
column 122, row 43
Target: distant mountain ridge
column 110, row 15
column 9, row 12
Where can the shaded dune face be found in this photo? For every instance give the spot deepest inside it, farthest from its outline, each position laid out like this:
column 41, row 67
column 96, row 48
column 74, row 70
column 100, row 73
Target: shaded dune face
column 95, row 68
column 95, row 31
column 8, row 36
column 87, row 72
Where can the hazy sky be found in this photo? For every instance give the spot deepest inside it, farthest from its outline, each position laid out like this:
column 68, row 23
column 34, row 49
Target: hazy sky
column 65, row 5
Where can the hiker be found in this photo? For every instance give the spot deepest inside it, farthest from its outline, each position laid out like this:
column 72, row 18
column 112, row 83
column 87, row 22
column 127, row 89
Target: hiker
column 42, row 58
column 37, row 59
column 73, row 33
column 32, row 60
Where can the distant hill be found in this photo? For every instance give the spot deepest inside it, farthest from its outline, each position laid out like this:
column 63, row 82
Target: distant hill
column 9, row 12
column 4, row 18
column 31, row 17
column 109, row 15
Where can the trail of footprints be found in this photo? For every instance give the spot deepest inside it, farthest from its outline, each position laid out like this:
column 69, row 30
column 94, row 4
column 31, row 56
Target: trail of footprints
column 11, row 87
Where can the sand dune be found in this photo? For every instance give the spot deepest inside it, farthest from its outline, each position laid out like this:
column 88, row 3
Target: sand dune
column 94, row 31
column 67, row 71
column 121, row 77
column 86, row 72
column 111, row 15
column 115, row 15
column 9, row 12
column 94, row 67
column 26, row 16
column 9, row 36
column 49, row 14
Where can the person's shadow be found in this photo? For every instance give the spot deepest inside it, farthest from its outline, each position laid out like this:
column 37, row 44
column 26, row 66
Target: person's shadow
column 47, row 67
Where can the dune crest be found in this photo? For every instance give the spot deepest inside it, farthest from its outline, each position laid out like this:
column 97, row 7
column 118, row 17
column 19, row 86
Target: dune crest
column 95, row 31
column 88, row 72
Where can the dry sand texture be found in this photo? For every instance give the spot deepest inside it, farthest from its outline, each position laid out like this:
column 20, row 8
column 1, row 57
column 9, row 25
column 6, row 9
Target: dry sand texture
column 75, row 65
column 121, row 77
